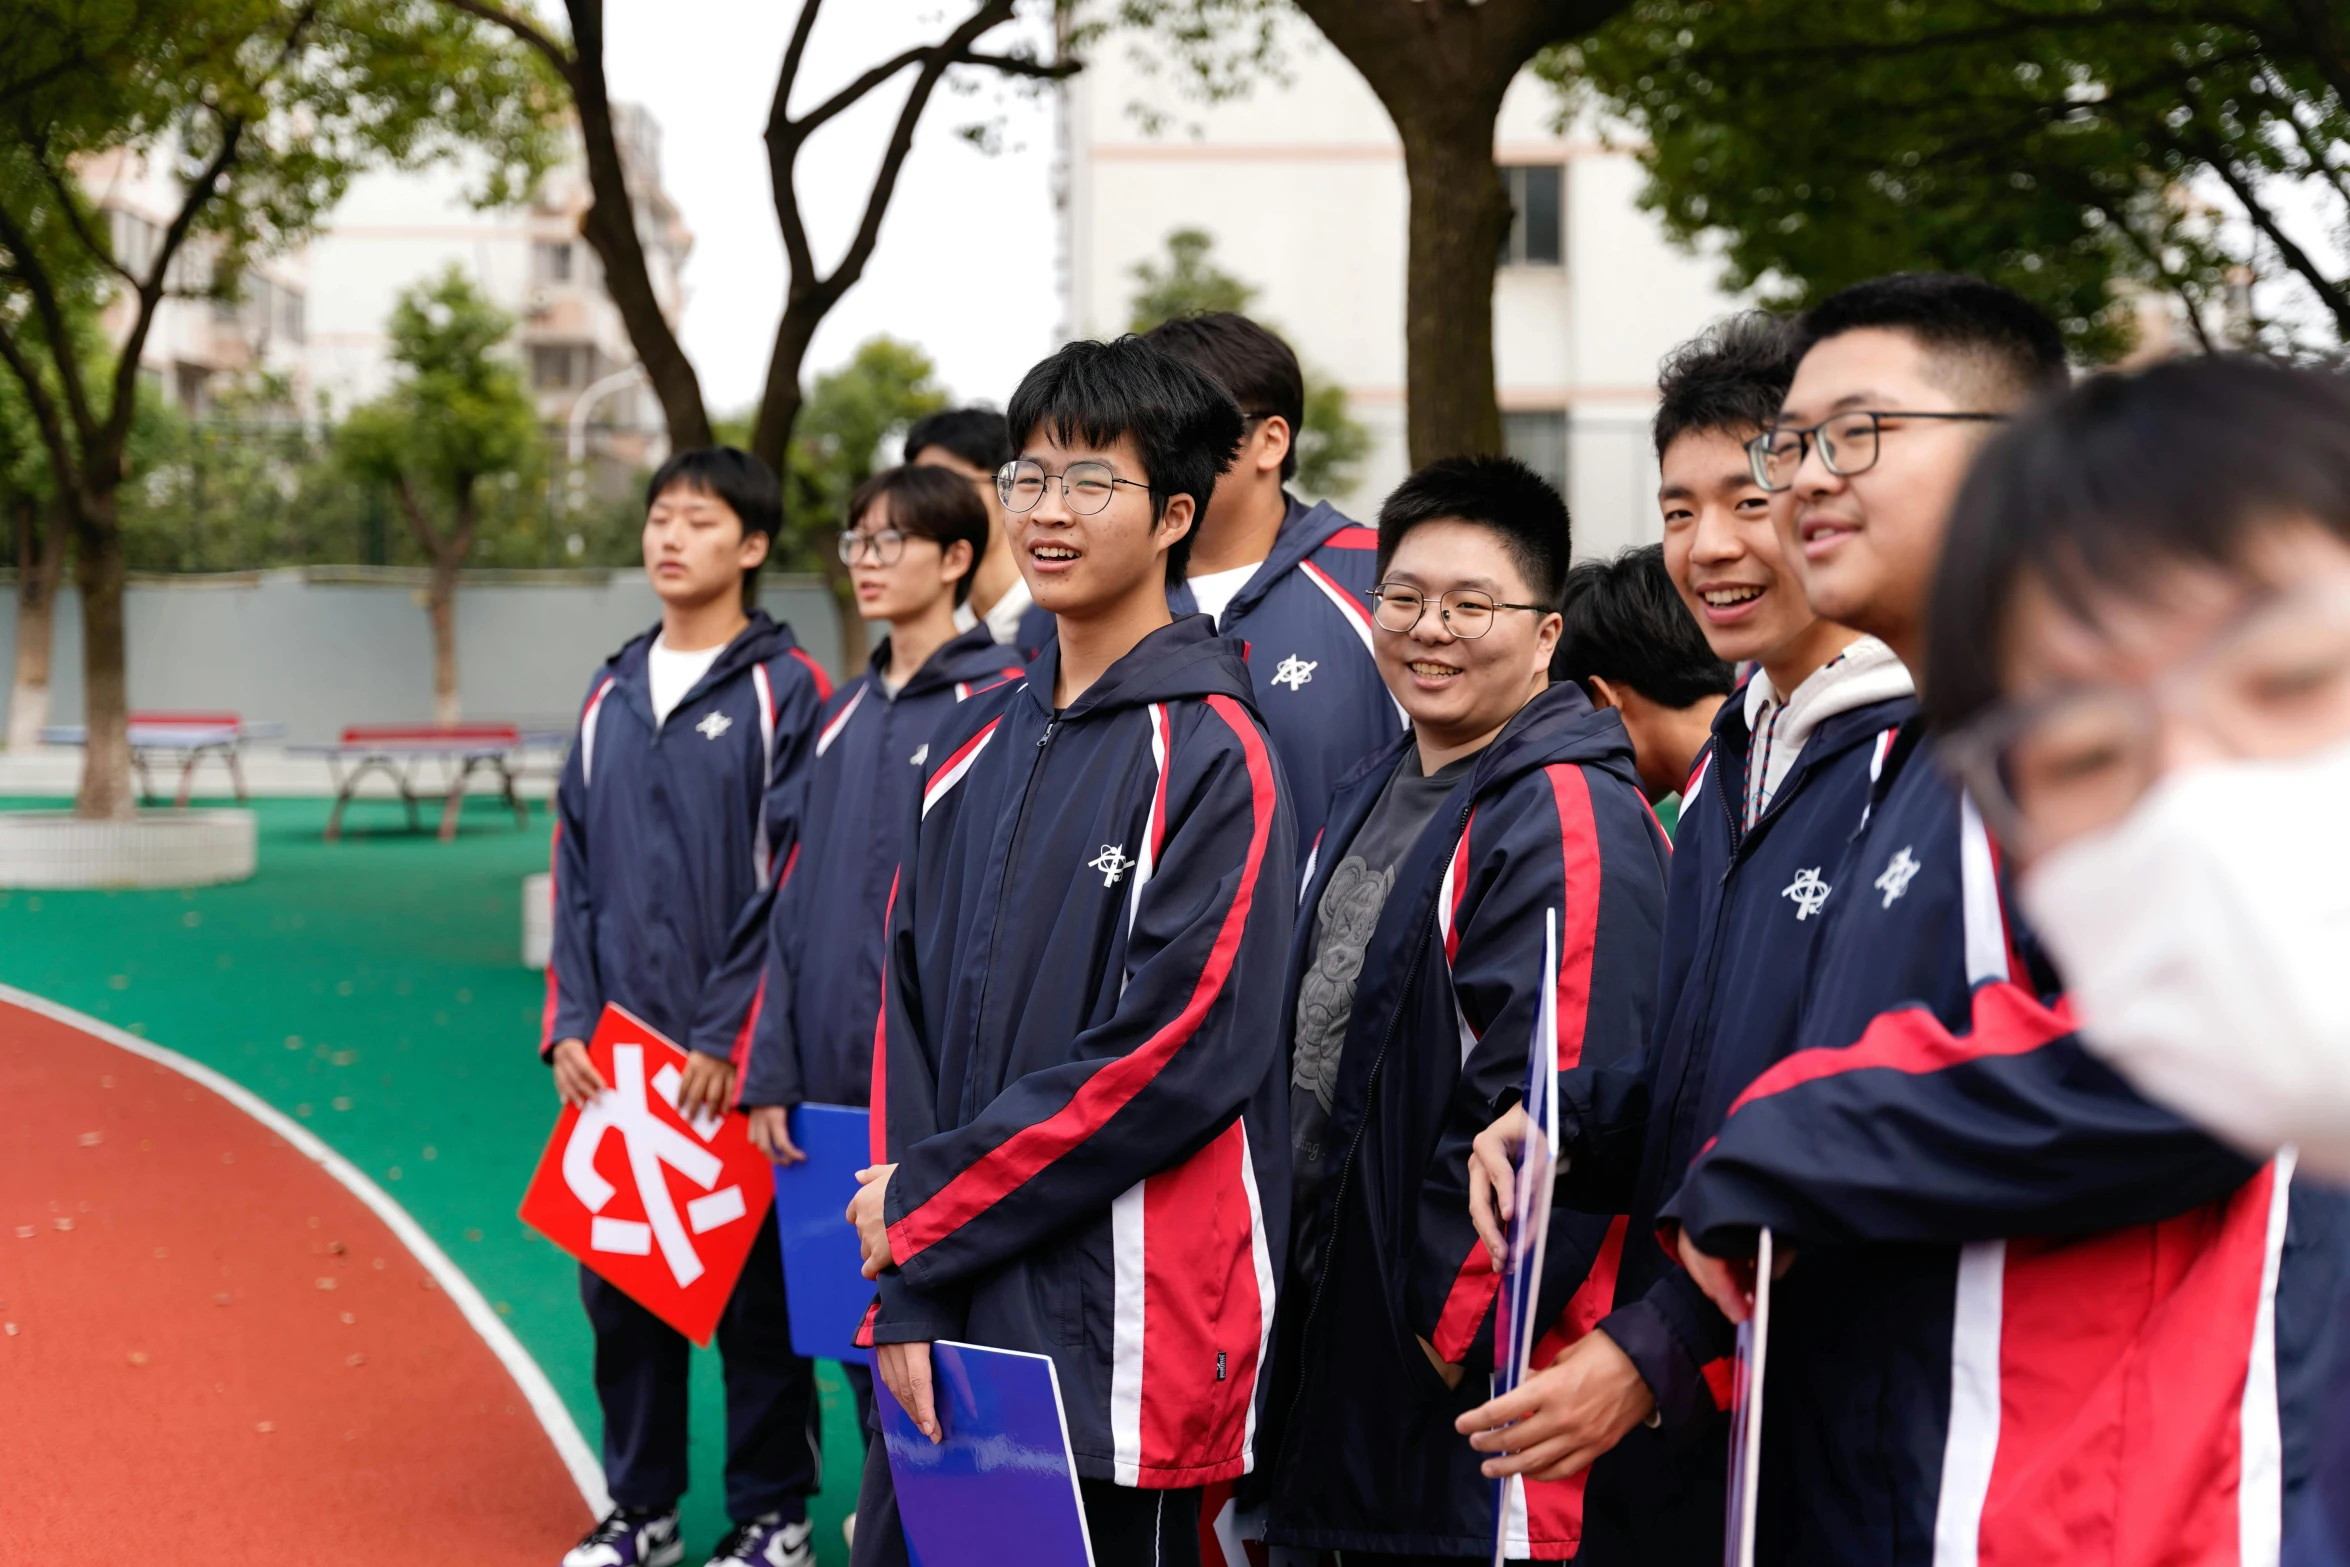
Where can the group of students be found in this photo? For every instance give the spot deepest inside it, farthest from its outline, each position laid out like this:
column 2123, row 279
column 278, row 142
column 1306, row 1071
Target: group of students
column 1174, row 887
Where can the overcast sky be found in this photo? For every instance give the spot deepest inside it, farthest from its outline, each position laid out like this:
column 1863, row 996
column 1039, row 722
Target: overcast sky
column 965, row 267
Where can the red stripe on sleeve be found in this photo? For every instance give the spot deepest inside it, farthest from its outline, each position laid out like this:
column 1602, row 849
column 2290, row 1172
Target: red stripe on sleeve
column 877, row 1098
column 2007, row 1021
column 823, row 680
column 863, row 1338
column 1721, row 1380
column 1465, row 1305
column 1018, row 1159
column 1554, row 1508
column 1570, row 791
column 1459, row 889
column 740, row 1052
column 1357, row 538
column 555, row 904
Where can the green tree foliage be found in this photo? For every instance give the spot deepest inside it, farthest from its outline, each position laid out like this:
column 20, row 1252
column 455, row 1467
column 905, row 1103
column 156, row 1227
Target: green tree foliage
column 249, row 119
column 2085, row 153
column 1188, row 282
column 454, row 437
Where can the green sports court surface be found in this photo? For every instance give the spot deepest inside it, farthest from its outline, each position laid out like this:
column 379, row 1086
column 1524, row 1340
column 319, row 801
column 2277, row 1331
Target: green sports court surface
column 373, row 989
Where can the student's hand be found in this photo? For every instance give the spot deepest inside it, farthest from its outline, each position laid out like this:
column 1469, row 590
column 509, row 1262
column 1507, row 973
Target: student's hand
column 1493, row 1165
column 905, row 1370
column 1444, row 1368
column 1728, row 1282
column 771, row 1135
column 576, row 1077
column 708, row 1088
column 1563, row 1417
column 866, row 1213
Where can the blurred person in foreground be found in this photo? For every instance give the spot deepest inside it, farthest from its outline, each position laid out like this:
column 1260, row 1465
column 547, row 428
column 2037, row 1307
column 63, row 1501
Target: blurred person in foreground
column 2141, row 656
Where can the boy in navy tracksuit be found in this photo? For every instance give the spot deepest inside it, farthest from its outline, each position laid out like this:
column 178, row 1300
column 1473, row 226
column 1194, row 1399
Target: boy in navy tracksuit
column 1762, row 812
column 1290, row 583
column 674, row 814
column 2031, row 1316
column 913, row 545
column 1628, row 641
column 1080, row 1086
column 1415, row 980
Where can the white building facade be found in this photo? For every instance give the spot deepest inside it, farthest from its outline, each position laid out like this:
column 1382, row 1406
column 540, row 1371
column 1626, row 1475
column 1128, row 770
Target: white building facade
column 1302, row 187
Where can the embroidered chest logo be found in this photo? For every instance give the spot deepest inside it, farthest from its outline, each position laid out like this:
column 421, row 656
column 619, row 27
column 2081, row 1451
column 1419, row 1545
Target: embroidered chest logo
column 713, row 724
column 1295, row 672
column 1807, row 892
column 921, row 754
column 1111, row 862
column 1898, row 871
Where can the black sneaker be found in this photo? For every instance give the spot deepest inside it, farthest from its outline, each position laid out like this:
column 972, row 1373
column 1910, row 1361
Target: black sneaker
column 766, row 1542
column 629, row 1537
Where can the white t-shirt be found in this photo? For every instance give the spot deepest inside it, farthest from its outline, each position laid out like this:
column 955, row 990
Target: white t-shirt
column 1212, row 591
column 672, row 674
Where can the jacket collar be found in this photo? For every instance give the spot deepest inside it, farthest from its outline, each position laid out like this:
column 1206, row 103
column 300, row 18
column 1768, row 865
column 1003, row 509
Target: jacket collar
column 968, row 655
column 759, row 641
column 1304, row 529
column 1184, row 659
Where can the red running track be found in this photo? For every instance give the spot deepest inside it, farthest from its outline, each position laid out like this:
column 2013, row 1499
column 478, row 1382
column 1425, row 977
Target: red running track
column 212, row 1352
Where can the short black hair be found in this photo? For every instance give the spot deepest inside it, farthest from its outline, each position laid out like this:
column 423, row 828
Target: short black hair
column 929, row 503
column 1248, row 361
column 977, row 435
column 2112, row 484
column 1501, row 494
column 1185, row 428
column 1991, row 332
column 1626, row 624
column 727, row 473
column 1728, row 379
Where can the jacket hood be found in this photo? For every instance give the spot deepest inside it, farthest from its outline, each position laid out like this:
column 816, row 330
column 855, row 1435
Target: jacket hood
column 756, row 643
column 971, row 655
column 1180, row 661
column 1305, row 530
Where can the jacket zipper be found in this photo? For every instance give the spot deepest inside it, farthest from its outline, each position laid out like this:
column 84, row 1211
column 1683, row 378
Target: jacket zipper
column 1011, row 857
column 1346, row 1165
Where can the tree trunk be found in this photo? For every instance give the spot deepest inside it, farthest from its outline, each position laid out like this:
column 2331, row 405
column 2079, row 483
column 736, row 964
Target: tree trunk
column 105, row 792
column 441, row 604
column 771, row 432
column 40, row 562
column 1460, row 215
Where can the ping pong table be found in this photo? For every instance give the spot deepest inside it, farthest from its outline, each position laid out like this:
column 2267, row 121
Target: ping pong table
column 429, row 762
column 158, row 739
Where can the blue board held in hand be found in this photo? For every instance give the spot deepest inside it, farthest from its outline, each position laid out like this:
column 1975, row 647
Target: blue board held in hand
column 999, row 1489
column 823, row 1281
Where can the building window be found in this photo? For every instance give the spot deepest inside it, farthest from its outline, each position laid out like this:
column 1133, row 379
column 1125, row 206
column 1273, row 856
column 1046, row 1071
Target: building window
column 555, row 366
column 135, row 239
column 292, row 316
column 1538, row 215
column 550, row 261
column 1537, row 437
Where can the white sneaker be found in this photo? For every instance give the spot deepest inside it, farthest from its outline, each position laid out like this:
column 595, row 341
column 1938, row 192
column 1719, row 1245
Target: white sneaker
column 848, row 1530
column 629, row 1537
column 766, row 1542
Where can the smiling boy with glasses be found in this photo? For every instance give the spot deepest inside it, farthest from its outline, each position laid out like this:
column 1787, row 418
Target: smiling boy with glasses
column 1416, row 977
column 1079, row 1091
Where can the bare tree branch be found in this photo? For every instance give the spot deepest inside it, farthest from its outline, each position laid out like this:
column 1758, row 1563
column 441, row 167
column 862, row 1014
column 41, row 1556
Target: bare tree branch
column 28, row 268
column 2330, row 292
column 528, row 33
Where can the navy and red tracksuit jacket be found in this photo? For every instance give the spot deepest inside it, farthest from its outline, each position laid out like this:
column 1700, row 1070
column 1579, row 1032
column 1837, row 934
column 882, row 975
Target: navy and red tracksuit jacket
column 821, row 985
column 1080, row 1084
column 2032, row 1317
column 667, row 838
column 1743, row 915
column 1304, row 625
column 1550, row 817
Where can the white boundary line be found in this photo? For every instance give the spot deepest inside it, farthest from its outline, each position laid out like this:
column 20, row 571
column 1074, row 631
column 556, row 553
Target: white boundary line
column 570, row 1445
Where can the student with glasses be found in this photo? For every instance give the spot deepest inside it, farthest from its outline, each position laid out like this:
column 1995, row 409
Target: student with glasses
column 1415, row 980
column 2141, row 658
column 1284, row 579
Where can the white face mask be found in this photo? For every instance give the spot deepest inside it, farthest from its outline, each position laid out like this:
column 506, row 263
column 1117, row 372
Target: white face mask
column 2205, row 941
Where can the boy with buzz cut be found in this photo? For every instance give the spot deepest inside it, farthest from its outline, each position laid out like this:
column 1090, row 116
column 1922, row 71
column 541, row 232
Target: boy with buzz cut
column 673, row 816
column 1765, row 814
column 1077, row 1089
column 1416, row 978
column 1628, row 641
column 1289, row 582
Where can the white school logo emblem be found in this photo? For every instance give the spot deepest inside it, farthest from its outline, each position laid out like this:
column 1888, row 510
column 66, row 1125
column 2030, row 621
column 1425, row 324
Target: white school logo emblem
column 713, row 724
column 1295, row 672
column 1898, row 871
column 1807, row 891
column 1111, row 862
column 921, row 754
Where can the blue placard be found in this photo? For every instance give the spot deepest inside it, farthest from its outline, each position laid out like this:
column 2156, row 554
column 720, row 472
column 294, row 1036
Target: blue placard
column 1000, row 1488
column 823, row 1281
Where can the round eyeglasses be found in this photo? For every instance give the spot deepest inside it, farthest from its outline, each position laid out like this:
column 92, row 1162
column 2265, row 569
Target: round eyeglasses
column 1086, row 487
column 883, row 547
column 1467, row 614
column 1848, row 443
